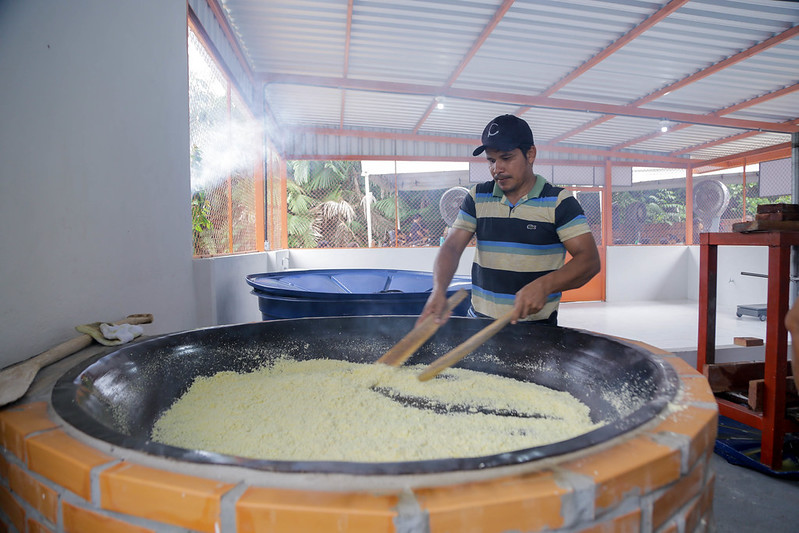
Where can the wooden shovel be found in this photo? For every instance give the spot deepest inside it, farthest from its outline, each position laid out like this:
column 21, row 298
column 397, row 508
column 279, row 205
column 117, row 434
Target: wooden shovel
column 411, row 342
column 465, row 348
column 15, row 380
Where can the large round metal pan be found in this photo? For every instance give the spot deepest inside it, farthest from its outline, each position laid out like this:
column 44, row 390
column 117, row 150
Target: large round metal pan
column 118, row 397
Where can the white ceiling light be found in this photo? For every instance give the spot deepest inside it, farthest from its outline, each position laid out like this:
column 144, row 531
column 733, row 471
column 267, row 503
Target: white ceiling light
column 664, row 125
column 439, row 102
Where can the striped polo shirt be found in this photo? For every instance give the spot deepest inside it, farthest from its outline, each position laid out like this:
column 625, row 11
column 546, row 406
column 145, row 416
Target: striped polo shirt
column 517, row 244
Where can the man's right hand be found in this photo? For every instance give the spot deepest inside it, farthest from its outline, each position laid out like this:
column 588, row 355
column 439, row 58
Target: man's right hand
column 436, row 305
column 443, row 270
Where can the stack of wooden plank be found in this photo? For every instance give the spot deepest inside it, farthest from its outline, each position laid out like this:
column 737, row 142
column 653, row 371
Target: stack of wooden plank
column 744, row 381
column 771, row 217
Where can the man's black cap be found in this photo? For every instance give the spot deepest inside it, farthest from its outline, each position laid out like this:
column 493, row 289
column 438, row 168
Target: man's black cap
column 505, row 133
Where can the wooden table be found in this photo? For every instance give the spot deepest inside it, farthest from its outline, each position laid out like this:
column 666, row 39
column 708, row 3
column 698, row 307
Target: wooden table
column 772, row 422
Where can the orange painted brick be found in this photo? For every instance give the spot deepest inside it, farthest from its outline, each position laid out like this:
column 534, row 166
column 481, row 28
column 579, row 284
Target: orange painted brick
column 701, row 509
column 638, row 465
column 80, row 520
column 18, row 422
column 39, row 496
column 696, row 389
column 64, row 460
column 178, row 499
column 531, row 502
column 628, row 523
column 288, row 511
column 37, row 527
column 12, row 508
column 669, row 503
column 700, row 425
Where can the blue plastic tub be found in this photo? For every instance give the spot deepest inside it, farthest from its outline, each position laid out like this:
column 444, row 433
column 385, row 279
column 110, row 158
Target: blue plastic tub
column 347, row 292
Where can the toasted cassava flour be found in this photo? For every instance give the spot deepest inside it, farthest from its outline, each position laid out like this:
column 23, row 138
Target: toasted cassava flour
column 330, row 410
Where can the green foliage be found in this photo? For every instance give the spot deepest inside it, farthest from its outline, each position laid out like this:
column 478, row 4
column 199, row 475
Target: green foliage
column 326, row 205
column 666, row 206
column 200, row 208
column 302, row 232
column 753, row 199
column 662, row 205
column 199, row 212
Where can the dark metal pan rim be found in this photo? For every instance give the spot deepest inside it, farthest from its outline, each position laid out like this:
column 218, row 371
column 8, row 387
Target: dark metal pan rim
column 67, row 404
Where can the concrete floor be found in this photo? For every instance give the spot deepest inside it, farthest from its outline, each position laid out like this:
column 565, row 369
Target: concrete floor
column 746, row 500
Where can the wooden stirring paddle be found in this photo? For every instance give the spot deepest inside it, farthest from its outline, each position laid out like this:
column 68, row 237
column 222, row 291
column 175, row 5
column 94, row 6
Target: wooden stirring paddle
column 16, row 379
column 411, row 342
column 465, row 348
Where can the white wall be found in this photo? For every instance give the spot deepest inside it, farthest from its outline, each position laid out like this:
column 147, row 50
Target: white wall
column 637, row 273
column 642, row 273
column 400, row 258
column 94, row 169
column 734, row 288
column 223, row 295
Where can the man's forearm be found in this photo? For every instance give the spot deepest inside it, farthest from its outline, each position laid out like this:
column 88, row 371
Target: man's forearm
column 583, row 265
column 574, row 274
column 444, row 268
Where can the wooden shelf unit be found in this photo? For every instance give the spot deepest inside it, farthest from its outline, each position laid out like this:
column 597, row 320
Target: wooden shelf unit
column 772, row 422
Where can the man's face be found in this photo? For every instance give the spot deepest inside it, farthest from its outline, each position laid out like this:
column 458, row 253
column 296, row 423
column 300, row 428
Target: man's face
column 512, row 171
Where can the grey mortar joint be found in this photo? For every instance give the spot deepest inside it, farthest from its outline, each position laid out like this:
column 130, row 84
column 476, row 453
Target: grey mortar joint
column 410, row 516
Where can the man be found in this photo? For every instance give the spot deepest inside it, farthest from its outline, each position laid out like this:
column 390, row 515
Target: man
column 418, row 233
column 524, row 227
column 792, row 325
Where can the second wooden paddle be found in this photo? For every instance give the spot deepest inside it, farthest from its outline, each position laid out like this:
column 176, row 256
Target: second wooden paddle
column 411, row 342
column 16, row 379
column 465, row 348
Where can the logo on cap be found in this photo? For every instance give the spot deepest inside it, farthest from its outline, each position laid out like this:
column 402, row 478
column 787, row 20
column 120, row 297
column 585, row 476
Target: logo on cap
column 505, row 132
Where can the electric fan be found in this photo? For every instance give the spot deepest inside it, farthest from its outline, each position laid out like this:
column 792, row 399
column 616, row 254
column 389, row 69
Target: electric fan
column 450, row 203
column 636, row 218
column 710, row 200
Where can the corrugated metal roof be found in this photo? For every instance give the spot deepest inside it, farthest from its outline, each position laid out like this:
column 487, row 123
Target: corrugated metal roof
column 359, row 78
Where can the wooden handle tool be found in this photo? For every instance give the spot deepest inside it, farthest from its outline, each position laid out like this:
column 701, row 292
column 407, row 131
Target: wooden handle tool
column 465, row 348
column 411, row 342
column 16, row 379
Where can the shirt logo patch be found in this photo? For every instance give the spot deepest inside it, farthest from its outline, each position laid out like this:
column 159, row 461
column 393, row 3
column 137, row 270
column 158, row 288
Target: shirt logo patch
column 531, row 226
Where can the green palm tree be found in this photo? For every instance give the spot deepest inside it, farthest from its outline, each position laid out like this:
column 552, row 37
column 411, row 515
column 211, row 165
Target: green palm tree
column 327, row 206
column 301, row 227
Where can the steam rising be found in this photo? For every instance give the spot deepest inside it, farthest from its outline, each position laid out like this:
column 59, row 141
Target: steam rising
column 234, row 147
column 224, row 140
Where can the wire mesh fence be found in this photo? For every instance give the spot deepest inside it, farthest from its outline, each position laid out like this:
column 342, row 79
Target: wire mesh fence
column 225, row 151
column 276, row 200
column 591, row 201
column 332, row 205
column 658, row 215
column 651, row 216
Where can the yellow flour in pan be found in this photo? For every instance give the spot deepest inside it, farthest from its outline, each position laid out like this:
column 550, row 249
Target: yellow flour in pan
column 330, row 410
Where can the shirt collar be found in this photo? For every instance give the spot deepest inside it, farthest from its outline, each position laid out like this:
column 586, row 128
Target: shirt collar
column 535, row 192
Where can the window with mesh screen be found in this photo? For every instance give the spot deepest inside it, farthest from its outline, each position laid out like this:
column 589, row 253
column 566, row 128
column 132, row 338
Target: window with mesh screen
column 226, row 153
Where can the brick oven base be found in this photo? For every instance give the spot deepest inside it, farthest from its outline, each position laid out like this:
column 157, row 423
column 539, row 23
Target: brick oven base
column 654, row 478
